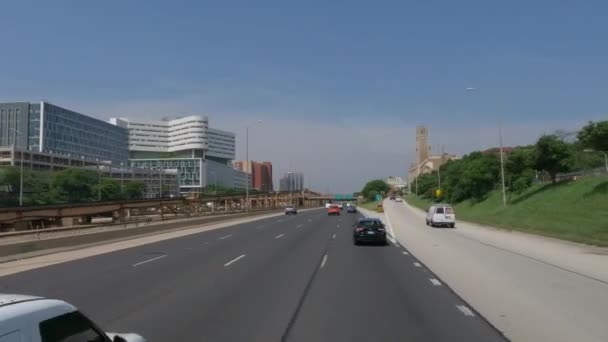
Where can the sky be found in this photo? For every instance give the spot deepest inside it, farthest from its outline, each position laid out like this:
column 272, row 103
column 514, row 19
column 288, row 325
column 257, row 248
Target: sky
column 339, row 85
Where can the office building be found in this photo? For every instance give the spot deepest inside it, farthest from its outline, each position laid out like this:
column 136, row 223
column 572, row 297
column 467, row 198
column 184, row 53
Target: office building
column 292, row 181
column 261, row 174
column 202, row 155
column 168, row 179
column 47, row 128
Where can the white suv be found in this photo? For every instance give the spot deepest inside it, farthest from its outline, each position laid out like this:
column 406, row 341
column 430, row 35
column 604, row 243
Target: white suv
column 37, row 319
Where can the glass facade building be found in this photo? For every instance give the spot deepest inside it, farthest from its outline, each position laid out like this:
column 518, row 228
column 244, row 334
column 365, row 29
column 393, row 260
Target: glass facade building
column 189, row 169
column 48, row 128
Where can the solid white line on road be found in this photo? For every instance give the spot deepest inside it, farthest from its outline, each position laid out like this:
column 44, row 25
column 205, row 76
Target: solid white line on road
column 300, row 225
column 323, row 261
column 466, row 311
column 435, row 282
column 333, row 237
column 234, row 260
column 417, row 264
column 149, row 260
column 225, row 236
column 279, row 236
column 390, row 227
column 405, row 253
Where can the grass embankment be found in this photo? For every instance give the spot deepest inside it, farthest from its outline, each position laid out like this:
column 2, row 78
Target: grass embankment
column 575, row 211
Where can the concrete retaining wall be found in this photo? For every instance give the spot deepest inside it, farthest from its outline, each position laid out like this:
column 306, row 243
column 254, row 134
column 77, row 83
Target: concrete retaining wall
column 103, row 236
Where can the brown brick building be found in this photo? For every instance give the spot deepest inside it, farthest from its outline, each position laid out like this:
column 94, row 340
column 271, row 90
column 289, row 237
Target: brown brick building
column 261, row 174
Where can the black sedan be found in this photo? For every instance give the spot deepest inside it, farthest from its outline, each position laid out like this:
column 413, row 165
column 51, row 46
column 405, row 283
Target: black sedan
column 369, row 230
column 351, row 210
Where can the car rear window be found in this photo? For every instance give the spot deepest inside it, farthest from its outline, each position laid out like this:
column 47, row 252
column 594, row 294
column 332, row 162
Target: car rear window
column 369, row 224
column 439, row 210
column 449, row 210
column 70, row 327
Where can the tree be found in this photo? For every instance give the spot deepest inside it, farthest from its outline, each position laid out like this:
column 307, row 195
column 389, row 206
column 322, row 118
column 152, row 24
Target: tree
column 109, row 190
column 377, row 185
column 519, row 168
column 134, row 190
column 73, row 185
column 594, row 135
column 553, row 155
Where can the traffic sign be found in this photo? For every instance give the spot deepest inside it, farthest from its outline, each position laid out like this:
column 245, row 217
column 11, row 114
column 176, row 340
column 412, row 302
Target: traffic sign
column 378, row 198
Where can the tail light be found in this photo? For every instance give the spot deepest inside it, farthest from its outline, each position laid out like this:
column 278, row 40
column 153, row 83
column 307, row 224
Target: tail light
column 358, row 230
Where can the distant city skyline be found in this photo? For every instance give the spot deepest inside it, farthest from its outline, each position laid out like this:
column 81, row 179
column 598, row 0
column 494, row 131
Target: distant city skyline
column 333, row 87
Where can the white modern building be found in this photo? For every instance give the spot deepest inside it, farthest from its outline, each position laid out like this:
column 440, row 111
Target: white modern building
column 202, row 155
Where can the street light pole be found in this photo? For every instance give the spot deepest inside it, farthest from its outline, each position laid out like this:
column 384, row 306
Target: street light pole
column 98, row 180
column 502, row 166
column 502, row 158
column 20, row 166
column 248, row 165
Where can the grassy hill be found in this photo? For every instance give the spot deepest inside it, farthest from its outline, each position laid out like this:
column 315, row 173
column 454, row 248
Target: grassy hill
column 575, row 210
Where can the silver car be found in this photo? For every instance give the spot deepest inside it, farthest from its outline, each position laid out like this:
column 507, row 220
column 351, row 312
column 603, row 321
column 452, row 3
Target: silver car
column 290, row 209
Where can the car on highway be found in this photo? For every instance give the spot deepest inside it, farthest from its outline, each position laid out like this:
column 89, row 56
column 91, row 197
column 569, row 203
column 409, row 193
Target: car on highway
column 291, row 210
column 340, row 206
column 399, row 199
column 392, row 198
column 333, row 210
column 441, row 215
column 369, row 230
column 38, row 319
column 327, row 205
column 351, row 209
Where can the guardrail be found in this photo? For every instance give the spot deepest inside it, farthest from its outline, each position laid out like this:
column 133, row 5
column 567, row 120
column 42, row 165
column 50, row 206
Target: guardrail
column 19, row 248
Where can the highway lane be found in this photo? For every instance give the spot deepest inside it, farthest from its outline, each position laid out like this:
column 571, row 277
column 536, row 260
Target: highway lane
column 296, row 278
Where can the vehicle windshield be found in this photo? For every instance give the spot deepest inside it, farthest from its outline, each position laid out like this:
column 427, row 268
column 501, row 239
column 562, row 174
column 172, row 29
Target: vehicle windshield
column 153, row 145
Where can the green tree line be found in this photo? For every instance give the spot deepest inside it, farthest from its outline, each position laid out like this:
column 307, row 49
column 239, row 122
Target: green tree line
column 477, row 174
column 65, row 186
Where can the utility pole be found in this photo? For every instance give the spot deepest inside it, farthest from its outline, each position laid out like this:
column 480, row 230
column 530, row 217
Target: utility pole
column 20, row 164
column 502, row 166
column 98, row 180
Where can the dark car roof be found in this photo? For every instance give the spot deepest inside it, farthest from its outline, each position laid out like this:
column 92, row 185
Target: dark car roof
column 369, row 219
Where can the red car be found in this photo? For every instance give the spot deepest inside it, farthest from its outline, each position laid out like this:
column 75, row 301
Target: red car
column 333, row 210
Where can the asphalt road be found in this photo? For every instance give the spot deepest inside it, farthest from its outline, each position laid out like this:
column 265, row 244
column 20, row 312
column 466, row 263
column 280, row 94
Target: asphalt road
column 296, row 278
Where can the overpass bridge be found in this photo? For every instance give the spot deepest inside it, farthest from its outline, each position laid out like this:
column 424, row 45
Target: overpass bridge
column 65, row 215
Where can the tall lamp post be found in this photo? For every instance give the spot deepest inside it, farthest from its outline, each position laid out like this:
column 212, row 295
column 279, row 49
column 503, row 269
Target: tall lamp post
column 248, row 163
column 588, row 150
column 20, row 166
column 502, row 158
column 214, row 182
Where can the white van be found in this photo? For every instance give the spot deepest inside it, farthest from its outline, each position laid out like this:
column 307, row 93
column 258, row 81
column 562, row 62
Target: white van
column 37, row 319
column 441, row 215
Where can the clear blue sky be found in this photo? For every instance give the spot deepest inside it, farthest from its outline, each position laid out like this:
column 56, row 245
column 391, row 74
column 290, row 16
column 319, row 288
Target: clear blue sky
column 539, row 65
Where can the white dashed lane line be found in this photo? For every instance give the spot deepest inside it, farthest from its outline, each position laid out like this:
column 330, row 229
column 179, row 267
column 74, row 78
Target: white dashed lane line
column 225, row 237
column 234, row 260
column 279, row 236
column 300, row 225
column 149, row 260
column 417, row 264
column 333, row 237
column 435, row 282
column 323, row 261
column 465, row 311
column 405, row 253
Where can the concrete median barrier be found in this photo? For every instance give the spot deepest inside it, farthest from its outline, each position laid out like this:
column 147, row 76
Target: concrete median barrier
column 99, row 237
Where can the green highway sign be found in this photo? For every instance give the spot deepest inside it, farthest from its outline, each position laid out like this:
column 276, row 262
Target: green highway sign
column 378, row 198
column 343, row 197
